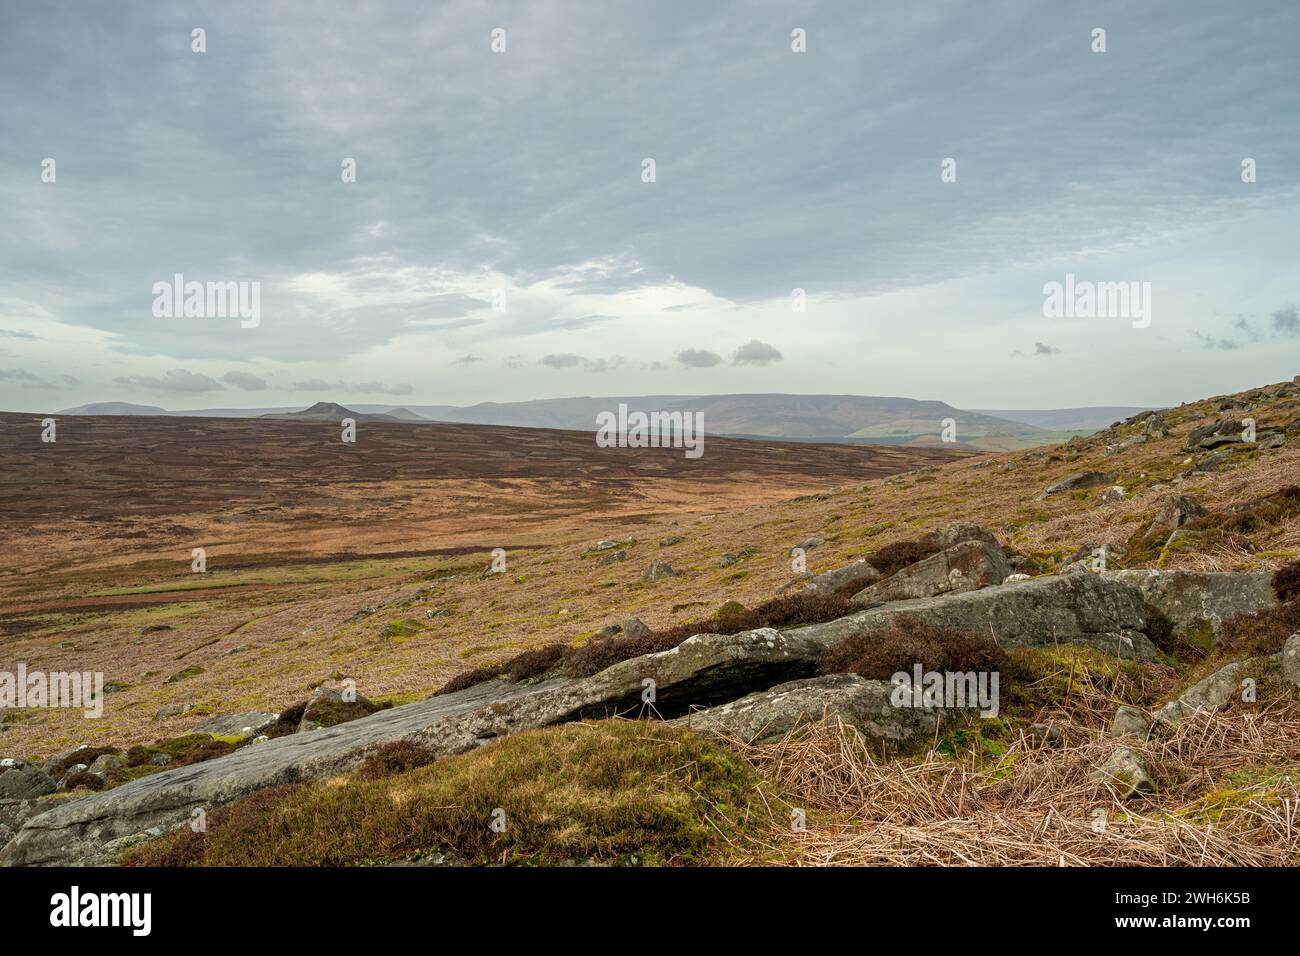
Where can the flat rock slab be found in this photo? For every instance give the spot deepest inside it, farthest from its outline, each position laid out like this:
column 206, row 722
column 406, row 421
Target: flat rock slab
column 861, row 703
column 704, row 670
column 1083, row 609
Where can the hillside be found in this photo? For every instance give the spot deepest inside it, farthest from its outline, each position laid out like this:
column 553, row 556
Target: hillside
column 264, row 626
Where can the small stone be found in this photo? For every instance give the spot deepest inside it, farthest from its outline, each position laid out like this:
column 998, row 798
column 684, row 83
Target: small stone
column 634, row 627
column 1130, row 722
column 1126, row 774
column 657, row 571
column 1291, row 660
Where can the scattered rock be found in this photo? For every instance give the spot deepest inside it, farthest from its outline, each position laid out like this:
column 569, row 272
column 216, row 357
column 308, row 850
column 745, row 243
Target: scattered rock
column 1126, row 775
column 728, row 560
column 963, row 567
column 813, row 542
column 614, row 557
column 172, row 710
column 671, row 540
column 1130, row 722
column 657, row 571
column 1112, row 495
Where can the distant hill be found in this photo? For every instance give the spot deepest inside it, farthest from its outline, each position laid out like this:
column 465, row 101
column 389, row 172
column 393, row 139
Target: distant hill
column 328, row 412
column 405, row 415
column 114, row 408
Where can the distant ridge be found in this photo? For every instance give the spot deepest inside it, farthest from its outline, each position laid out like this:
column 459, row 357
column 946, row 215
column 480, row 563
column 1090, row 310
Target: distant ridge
column 845, row 419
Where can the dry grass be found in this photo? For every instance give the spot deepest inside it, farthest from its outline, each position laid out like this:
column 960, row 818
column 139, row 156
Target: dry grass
column 1040, row 806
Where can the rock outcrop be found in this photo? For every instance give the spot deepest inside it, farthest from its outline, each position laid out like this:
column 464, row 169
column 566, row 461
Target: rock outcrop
column 1085, row 609
column 1202, row 599
column 704, row 670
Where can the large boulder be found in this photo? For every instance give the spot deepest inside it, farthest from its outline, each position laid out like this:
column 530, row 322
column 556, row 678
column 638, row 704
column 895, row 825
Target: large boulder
column 863, row 704
column 1086, row 609
column 1200, row 601
column 1175, row 511
column 855, row 576
column 704, row 670
column 966, row 566
column 248, row 724
column 956, row 532
column 658, row 571
column 1076, row 482
column 25, row 781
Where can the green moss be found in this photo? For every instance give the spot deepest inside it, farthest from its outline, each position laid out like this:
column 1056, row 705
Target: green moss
column 622, row 792
column 399, row 630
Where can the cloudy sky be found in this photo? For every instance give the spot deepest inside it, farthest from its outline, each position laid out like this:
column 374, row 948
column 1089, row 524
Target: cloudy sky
column 500, row 242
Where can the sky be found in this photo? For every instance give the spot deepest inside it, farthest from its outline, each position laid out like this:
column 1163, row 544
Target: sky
column 846, row 197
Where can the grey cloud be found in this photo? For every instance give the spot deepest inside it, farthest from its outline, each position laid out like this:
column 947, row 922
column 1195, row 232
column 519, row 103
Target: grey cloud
column 466, row 360
column 316, row 385
column 1041, row 349
column 245, row 380
column 1286, row 321
column 29, row 380
column 1210, row 342
column 755, row 352
column 569, row 360
column 385, row 388
column 177, row 380
column 698, row 358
